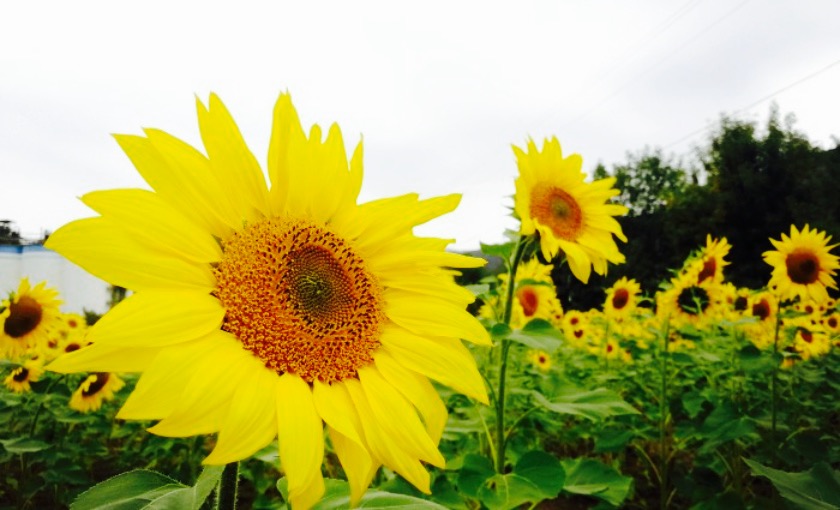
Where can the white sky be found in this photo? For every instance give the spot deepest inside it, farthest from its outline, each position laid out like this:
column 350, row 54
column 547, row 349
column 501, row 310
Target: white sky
column 439, row 89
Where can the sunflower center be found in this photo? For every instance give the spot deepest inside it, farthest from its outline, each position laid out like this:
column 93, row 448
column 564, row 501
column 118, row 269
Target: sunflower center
column 740, row 304
column 24, row 316
column 300, row 298
column 761, row 309
column 693, row 300
column 529, row 301
column 95, row 386
column 558, row 210
column 709, row 269
column 803, row 267
column 21, row 374
column 620, row 298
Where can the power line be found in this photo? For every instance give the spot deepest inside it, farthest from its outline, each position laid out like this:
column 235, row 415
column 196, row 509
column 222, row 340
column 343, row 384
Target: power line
column 656, row 64
column 759, row 101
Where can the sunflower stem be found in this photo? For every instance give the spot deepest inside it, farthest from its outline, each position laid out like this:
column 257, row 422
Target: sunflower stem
column 227, row 490
column 501, row 440
column 663, row 409
column 774, row 383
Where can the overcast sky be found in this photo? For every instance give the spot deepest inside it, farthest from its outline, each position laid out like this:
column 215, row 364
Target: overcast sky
column 439, row 89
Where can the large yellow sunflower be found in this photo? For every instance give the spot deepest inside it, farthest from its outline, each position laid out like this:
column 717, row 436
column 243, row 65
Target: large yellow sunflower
column 27, row 318
column 260, row 313
column 802, row 265
column 570, row 215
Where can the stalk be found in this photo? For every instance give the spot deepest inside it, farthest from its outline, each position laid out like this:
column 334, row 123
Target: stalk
column 663, row 406
column 500, row 394
column 226, row 492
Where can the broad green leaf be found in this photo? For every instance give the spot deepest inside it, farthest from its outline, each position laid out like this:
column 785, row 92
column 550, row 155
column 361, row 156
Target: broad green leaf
column 592, row 404
column 337, row 497
column 505, row 492
column 537, row 334
column 23, row 445
column 817, row 489
column 127, row 491
column 475, row 470
column 590, row 477
column 192, row 497
column 498, row 250
column 543, row 470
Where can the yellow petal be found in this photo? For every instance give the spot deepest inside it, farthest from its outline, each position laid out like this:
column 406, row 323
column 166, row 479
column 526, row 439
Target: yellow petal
column 107, row 251
column 418, row 390
column 159, row 224
column 104, row 358
column 428, row 316
column 232, row 162
column 397, row 417
column 252, row 419
column 156, row 318
column 286, row 131
column 186, row 183
column 335, row 407
column 357, row 463
column 300, row 436
column 445, row 360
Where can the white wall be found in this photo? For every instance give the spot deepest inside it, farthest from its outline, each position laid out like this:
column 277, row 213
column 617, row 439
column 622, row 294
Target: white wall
column 77, row 288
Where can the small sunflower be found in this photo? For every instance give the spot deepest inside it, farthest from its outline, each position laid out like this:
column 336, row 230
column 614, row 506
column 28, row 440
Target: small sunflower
column 540, row 359
column 570, row 215
column 94, row 390
column 687, row 302
column 260, row 312
column 803, row 265
column 621, row 298
column 27, row 319
column 710, row 260
column 19, row 380
column 535, row 296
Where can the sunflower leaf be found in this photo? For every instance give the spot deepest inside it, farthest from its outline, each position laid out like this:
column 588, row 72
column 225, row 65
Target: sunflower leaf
column 537, row 334
column 337, row 497
column 127, row 491
column 817, row 489
column 592, row 404
column 592, row 478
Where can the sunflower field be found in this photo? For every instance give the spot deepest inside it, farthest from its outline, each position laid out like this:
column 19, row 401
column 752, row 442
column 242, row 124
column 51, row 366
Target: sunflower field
column 284, row 346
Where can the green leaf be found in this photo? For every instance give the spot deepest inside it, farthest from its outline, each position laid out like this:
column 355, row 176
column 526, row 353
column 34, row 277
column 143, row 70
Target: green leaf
column 337, row 497
column 818, row 488
column 498, row 250
column 592, row 404
column 127, row 491
column 23, row 445
column 538, row 334
column 589, row 477
column 543, row 470
column 475, row 470
column 504, row 492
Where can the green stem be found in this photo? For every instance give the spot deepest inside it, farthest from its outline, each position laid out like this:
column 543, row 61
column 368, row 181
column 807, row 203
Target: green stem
column 663, row 408
column 500, row 394
column 226, row 492
column 774, row 383
column 34, row 422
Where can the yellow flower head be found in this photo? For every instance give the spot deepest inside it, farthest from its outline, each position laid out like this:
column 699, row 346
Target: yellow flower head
column 28, row 318
column 802, row 265
column 540, row 359
column 18, row 381
column 535, row 296
column 570, row 215
column 710, row 260
column 621, row 298
column 94, row 390
column 262, row 312
column 687, row 302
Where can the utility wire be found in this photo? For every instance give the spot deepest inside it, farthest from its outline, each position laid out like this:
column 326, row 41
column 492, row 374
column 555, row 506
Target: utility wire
column 656, row 64
column 759, row 101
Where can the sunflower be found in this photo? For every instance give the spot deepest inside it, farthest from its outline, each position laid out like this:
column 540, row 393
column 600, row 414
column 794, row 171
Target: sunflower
column 94, row 390
column 260, row 313
column 802, row 265
column 540, row 359
column 687, row 302
column 28, row 317
column 710, row 260
column 621, row 298
column 29, row 372
column 535, row 296
column 570, row 215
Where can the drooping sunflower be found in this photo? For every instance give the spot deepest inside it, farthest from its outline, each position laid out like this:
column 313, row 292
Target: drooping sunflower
column 27, row 318
column 94, row 390
column 570, row 215
column 621, row 298
column 20, row 378
column 803, row 265
column 711, row 260
column 260, row 313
